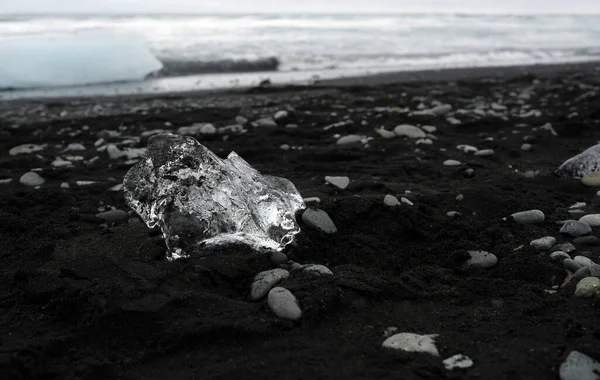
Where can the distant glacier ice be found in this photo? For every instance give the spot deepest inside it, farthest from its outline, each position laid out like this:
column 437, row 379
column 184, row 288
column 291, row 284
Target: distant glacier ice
column 78, row 59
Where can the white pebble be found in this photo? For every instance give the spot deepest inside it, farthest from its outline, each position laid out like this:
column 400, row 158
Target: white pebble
column 485, row 152
column 317, row 269
column 385, row 133
column 390, row 200
column 460, row 197
column 31, row 179
column 481, row 259
column 283, row 303
column 592, row 220
column 577, row 205
column 26, row 149
column 424, row 142
column 587, row 287
column 339, row 182
column 457, row 361
column 544, row 243
column 467, row 148
column 265, row 281
column 407, row 201
column 412, row 343
column 429, row 128
column 409, row 131
column 452, row 163
column 529, row 217
column 583, row 261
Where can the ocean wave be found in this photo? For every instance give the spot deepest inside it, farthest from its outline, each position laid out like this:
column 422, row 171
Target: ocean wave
column 180, row 67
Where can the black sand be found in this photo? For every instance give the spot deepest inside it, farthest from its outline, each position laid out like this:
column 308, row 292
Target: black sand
column 82, row 300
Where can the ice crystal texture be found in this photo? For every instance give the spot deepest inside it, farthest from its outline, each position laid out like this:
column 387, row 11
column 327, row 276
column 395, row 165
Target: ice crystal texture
column 200, row 200
column 586, row 162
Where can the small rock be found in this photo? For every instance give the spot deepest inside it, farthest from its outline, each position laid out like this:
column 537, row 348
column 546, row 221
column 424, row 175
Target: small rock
column 278, row 258
column 441, row 110
column 385, row 133
column 587, row 287
column 583, row 261
column 565, row 247
column 571, row 265
column 467, row 148
column 412, row 343
column 526, row 147
column 241, row 120
column 279, row 115
column 266, row 122
column 457, row 361
column 31, row 179
column 409, row 131
column 581, row 273
column 319, row 220
column 559, row 256
column 339, row 182
column 528, row 217
column 485, row 153
column 575, row 228
column 113, row 216
column 407, row 201
column 594, row 270
column 481, row 259
column 350, row 139
column 5, row 181
column 592, row 220
column 26, row 149
column 460, row 197
column 469, row 173
column 578, row 366
column 587, row 240
column 429, row 128
column 578, row 205
column 591, row 179
column 390, row 200
column 283, row 303
column 317, row 269
column 424, row 142
column 284, row 147
column 452, row 163
column 452, row 214
column 312, row 199
column 543, row 244
column 265, row 281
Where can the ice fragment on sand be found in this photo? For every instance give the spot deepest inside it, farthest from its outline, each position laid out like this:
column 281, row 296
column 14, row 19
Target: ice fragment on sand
column 412, row 343
column 198, row 199
column 580, row 165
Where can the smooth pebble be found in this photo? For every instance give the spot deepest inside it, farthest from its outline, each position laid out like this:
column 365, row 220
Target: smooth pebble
column 587, row 287
column 390, row 200
column 31, row 179
column 592, row 220
column 544, row 243
column 319, row 220
column 409, row 131
column 575, row 228
column 265, row 281
column 528, row 217
column 283, row 303
column 339, row 182
column 578, row 366
column 412, row 343
column 481, row 259
column 457, row 361
column 452, row 163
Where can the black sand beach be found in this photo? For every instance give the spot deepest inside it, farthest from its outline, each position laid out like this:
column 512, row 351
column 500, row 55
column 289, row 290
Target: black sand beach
column 83, row 299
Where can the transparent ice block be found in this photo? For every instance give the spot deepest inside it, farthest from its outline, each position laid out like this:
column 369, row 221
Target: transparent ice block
column 200, row 200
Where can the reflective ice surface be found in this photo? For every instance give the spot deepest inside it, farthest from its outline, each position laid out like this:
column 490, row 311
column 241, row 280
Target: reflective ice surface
column 198, row 199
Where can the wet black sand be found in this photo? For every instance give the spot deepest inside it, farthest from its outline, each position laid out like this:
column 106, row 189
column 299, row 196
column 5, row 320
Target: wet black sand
column 80, row 299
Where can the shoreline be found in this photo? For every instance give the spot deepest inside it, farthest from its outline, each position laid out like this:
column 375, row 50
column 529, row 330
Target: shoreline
column 374, row 79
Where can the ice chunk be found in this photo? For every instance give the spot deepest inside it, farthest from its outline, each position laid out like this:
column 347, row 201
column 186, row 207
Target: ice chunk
column 78, row 59
column 198, row 199
column 586, row 162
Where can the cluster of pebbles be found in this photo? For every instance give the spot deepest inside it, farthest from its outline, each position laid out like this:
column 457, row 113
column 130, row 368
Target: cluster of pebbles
column 564, row 244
